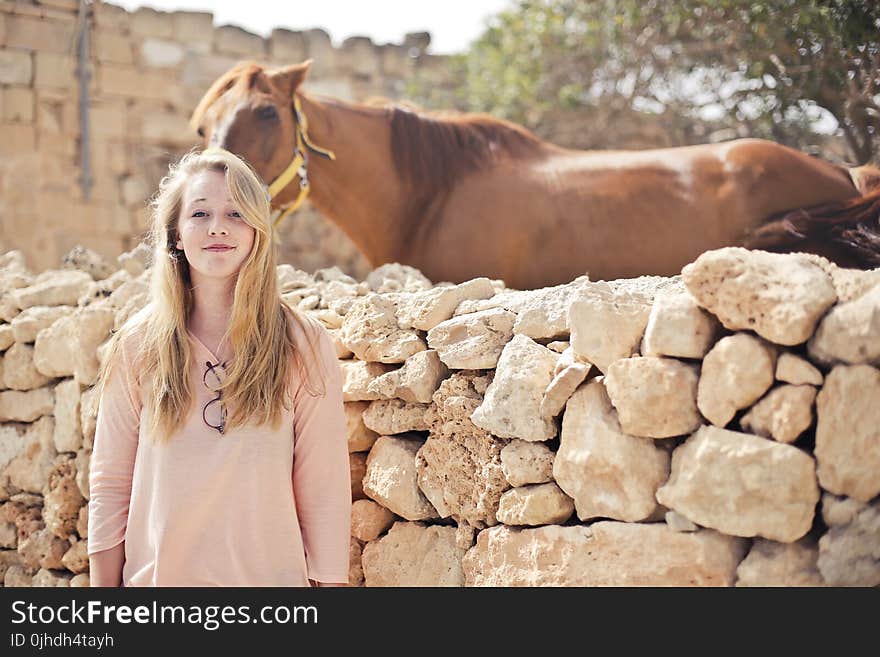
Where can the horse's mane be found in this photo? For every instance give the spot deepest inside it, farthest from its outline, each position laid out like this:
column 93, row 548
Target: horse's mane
column 249, row 71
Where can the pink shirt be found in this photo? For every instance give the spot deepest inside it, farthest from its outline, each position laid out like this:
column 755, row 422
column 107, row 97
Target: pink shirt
column 252, row 507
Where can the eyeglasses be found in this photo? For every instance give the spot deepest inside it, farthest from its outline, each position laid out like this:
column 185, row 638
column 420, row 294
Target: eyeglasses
column 214, row 412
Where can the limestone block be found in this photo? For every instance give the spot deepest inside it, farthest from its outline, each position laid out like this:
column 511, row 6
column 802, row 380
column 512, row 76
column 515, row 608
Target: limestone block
column 31, row 321
column 425, row 310
column 285, row 45
column 678, row 327
column 562, row 387
column 654, row 397
column 7, row 336
column 742, row 485
column 166, row 127
column 16, row 67
column 392, row 481
column 849, row 555
column 161, row 53
column 783, row 414
column 850, row 332
column 678, row 522
column 769, row 563
column 27, row 406
column 93, row 326
column 88, row 406
column 61, row 288
column 233, row 40
column 370, row 330
column 83, row 461
column 19, row 372
column 411, row 554
column 604, row 554
column 357, row 376
column 52, row 578
column 355, row 568
column 512, row 405
column 43, row 549
column 148, row 22
column 848, row 432
column 29, row 469
column 779, row 296
column 607, row 472
column 524, row 463
column 607, row 324
column 360, row 438
column 38, row 33
column 394, row 277
column 415, row 382
column 359, row 56
column 796, row 370
column 81, row 580
column 84, row 259
column 68, row 430
column 194, row 28
column 735, row 374
column 18, row 576
column 76, row 559
column 837, row 511
column 391, row 416
column 112, row 46
column 18, row 105
column 538, row 504
column 358, row 464
column 63, row 500
column 369, row 520
column 473, row 341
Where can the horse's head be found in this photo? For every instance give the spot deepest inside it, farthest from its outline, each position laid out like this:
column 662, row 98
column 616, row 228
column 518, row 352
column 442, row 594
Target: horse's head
column 249, row 111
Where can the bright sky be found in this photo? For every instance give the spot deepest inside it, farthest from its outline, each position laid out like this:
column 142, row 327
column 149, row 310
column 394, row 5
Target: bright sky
column 453, row 24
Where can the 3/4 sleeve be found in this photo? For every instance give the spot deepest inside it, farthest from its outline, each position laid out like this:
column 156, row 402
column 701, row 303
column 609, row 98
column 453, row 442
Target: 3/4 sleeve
column 321, row 473
column 113, row 456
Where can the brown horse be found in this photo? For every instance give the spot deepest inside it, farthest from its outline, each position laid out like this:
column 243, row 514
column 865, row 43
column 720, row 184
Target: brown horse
column 465, row 195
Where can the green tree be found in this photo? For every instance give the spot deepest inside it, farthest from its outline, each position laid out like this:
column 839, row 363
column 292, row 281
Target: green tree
column 768, row 69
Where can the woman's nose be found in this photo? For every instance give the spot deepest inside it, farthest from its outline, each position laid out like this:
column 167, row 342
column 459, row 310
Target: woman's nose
column 217, row 226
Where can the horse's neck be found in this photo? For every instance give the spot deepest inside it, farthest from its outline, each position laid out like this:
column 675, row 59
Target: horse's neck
column 359, row 190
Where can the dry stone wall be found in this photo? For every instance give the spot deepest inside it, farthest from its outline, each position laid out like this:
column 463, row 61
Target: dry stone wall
column 147, row 69
column 717, row 428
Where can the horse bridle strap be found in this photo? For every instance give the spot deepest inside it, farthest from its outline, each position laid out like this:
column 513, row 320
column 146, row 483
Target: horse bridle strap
column 298, row 166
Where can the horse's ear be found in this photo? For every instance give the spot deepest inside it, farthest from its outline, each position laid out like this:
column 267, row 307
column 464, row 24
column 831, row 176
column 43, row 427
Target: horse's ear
column 289, row 78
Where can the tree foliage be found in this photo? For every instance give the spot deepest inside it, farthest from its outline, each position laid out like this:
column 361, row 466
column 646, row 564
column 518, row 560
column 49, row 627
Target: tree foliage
column 724, row 67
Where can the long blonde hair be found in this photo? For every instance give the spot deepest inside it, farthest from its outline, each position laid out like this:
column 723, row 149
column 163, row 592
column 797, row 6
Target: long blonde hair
column 256, row 385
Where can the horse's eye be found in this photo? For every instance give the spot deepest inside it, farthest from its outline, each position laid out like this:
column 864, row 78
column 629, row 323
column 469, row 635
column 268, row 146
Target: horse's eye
column 267, row 112
column 201, row 131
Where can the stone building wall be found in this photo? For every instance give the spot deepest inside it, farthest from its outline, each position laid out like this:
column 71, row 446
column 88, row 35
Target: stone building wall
column 721, row 427
column 148, row 69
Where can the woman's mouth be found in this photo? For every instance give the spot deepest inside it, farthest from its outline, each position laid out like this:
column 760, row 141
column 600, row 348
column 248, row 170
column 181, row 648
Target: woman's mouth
column 219, row 248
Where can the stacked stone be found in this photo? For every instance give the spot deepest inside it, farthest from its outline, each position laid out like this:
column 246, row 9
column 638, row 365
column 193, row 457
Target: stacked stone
column 721, row 427
column 147, row 69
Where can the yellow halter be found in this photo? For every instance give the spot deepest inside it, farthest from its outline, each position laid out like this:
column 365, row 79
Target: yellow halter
column 298, row 166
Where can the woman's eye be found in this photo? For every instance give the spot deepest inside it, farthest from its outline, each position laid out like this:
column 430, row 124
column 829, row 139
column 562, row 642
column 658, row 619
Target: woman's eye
column 236, row 215
column 197, row 213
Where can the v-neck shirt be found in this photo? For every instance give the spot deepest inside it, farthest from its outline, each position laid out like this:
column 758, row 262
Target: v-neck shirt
column 251, row 507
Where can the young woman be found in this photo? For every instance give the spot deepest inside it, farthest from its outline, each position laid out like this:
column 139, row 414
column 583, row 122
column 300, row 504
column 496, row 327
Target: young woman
column 220, row 455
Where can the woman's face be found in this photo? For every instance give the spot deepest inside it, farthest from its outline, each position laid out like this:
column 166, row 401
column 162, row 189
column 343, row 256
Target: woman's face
column 208, row 219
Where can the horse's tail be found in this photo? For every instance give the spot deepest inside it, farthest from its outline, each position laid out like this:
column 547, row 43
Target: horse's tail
column 846, row 232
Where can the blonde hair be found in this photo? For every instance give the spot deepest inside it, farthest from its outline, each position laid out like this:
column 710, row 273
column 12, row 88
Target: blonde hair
column 260, row 333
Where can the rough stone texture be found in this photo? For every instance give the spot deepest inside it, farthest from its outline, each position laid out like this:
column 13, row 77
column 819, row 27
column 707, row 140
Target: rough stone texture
column 81, row 580
column 411, row 554
column 415, row 381
column 88, row 415
column 370, row 330
column 563, row 385
column 360, row 438
column 19, row 372
column 7, row 337
column 473, row 341
column 76, row 559
column 797, row 371
column 29, row 470
column 524, row 463
column 54, row 288
column 606, row 324
column 92, row 263
column 93, row 326
column 358, row 466
column 512, row 405
column 29, row 322
column 391, row 478
column 679, row 523
column 355, row 568
column 425, row 310
column 678, row 327
column 848, row 432
column 783, row 414
column 735, row 374
column 849, row 555
column 53, row 355
column 18, row 576
column 769, row 563
column 63, row 500
column 357, row 376
column 394, row 277
column 51, row 578
column 68, row 429
column 603, row 554
column 838, row 511
column 609, row 473
column 742, row 485
column 654, row 397
column 538, row 504
column 369, row 519
column 43, row 549
column 26, row 406
column 391, row 416
column 849, row 333
column 459, row 466
column 779, row 296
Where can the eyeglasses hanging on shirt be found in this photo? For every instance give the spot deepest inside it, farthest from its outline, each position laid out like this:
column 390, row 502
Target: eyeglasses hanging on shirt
column 214, row 412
